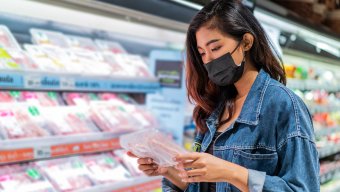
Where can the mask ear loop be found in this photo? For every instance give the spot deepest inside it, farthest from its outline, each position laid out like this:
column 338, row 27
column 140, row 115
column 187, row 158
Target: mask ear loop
column 244, row 54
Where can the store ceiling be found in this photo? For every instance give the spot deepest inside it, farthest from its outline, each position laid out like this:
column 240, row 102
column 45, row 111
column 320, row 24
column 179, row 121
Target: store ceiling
column 325, row 13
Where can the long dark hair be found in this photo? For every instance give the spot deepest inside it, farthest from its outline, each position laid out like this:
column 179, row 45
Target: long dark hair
column 234, row 19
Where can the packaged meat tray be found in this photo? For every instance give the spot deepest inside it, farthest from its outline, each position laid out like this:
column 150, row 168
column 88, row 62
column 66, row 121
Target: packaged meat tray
column 141, row 117
column 68, row 120
column 46, row 99
column 110, row 46
column 67, row 174
column 116, row 67
column 104, row 168
column 134, row 64
column 46, row 37
column 112, row 117
column 91, row 62
column 7, row 40
column 81, row 99
column 23, row 178
column 7, row 97
column 153, row 144
column 42, row 60
column 129, row 162
column 20, row 121
column 7, row 62
column 77, row 42
column 22, row 59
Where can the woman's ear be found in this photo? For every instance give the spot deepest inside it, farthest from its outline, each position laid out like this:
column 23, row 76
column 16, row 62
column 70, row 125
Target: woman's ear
column 248, row 40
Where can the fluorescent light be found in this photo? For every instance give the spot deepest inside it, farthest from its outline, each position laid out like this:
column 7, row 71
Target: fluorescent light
column 189, row 4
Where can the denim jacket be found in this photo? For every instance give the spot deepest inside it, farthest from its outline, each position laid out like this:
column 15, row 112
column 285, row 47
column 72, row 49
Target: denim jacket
column 273, row 138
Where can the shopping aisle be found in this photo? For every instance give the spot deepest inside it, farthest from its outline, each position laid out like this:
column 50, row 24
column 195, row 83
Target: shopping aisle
column 75, row 76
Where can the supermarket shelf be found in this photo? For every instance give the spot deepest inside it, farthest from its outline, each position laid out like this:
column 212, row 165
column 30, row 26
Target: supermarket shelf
column 329, row 175
column 311, row 85
column 333, row 185
column 70, row 82
column 323, row 108
column 56, row 146
column 141, row 184
column 326, row 131
column 328, row 151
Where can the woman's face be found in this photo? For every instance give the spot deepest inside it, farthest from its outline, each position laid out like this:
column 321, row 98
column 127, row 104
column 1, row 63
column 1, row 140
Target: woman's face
column 212, row 44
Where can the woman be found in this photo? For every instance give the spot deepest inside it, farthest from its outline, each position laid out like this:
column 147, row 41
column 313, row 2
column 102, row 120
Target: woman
column 253, row 133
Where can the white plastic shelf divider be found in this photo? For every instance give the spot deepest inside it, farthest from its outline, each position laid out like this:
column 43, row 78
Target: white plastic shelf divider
column 71, row 82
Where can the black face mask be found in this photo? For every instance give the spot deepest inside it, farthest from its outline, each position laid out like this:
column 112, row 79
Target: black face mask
column 223, row 70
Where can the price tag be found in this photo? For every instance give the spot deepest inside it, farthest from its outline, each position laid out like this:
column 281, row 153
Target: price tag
column 67, row 83
column 89, row 84
column 50, row 82
column 32, row 81
column 42, row 152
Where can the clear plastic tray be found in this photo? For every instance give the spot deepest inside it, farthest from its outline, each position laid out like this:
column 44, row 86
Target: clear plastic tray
column 110, row 46
column 7, row 40
column 77, row 42
column 153, row 144
column 46, row 37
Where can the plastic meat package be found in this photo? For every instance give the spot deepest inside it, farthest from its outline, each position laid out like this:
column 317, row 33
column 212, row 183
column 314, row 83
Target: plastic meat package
column 6, row 38
column 112, row 117
column 130, row 162
column 7, row 62
column 68, row 120
column 18, row 122
column 23, row 178
column 81, row 99
column 91, row 62
column 46, row 99
column 104, row 168
column 15, row 59
column 42, row 59
column 116, row 67
column 133, row 64
column 22, row 59
column 141, row 117
column 6, row 97
column 153, row 144
column 77, row 42
column 110, row 46
column 46, row 37
column 67, row 174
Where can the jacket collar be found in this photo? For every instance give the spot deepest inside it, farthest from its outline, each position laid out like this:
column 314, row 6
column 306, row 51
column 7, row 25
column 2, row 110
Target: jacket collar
column 252, row 106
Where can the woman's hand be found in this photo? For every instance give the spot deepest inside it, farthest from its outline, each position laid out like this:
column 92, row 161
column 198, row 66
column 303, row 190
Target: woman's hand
column 202, row 167
column 148, row 166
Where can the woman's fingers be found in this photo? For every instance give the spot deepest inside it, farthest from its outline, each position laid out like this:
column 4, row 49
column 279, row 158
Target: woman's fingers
column 129, row 153
column 146, row 161
column 196, row 179
column 195, row 172
column 148, row 167
column 187, row 157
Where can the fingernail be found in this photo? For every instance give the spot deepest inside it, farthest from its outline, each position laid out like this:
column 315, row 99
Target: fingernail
column 154, row 166
column 150, row 160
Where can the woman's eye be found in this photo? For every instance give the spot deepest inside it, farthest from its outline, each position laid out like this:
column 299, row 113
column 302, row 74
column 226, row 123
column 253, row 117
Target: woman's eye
column 216, row 48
